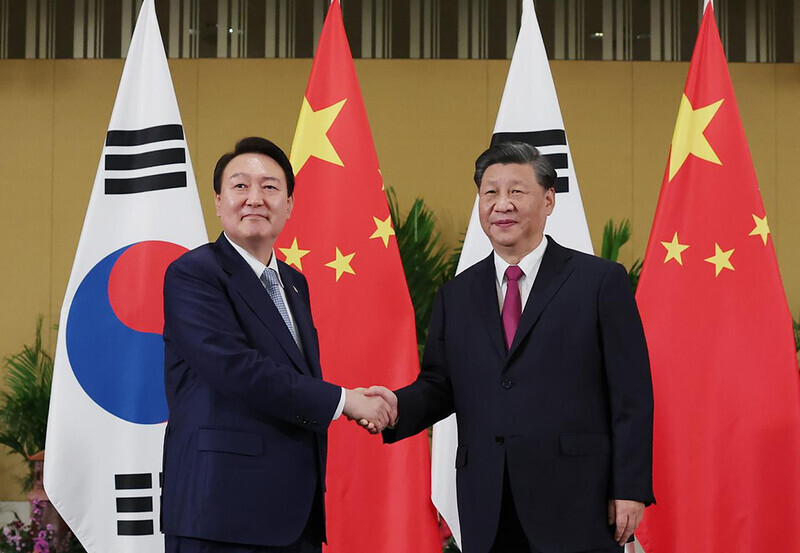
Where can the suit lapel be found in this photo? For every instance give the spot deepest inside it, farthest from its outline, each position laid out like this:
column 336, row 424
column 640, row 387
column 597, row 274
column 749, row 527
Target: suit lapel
column 484, row 279
column 553, row 272
column 302, row 319
column 249, row 287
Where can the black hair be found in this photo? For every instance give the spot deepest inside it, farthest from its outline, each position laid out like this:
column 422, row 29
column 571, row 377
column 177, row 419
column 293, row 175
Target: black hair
column 507, row 153
column 255, row 145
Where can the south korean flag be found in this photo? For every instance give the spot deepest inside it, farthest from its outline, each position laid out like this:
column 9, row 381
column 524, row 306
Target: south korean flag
column 108, row 407
column 529, row 112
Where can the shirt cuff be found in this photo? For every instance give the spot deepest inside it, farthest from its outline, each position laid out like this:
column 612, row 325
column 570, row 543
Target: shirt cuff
column 340, row 407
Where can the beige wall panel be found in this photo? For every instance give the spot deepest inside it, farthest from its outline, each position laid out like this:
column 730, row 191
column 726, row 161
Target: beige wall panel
column 498, row 72
column 657, row 89
column 598, row 121
column 185, row 80
column 238, row 98
column 429, row 122
column 85, row 93
column 754, row 85
column 26, row 180
column 786, row 228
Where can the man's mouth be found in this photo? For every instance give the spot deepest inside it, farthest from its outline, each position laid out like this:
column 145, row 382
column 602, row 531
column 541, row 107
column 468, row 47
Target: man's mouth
column 504, row 223
column 253, row 216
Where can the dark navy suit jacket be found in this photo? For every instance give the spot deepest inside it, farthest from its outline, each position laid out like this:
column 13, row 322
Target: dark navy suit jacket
column 245, row 446
column 569, row 407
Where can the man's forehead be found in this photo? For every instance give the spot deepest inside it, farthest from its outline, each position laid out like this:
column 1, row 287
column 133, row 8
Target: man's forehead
column 520, row 172
column 251, row 165
column 245, row 174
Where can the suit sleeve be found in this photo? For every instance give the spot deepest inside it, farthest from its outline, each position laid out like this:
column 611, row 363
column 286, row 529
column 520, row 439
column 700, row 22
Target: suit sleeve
column 429, row 398
column 200, row 324
column 630, row 388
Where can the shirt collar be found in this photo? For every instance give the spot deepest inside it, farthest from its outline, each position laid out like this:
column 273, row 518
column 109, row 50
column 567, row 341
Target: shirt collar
column 255, row 264
column 527, row 263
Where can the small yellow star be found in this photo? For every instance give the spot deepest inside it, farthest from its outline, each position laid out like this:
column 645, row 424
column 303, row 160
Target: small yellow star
column 383, row 230
column 721, row 259
column 311, row 136
column 761, row 229
column 294, row 254
column 341, row 264
column 688, row 137
column 674, row 249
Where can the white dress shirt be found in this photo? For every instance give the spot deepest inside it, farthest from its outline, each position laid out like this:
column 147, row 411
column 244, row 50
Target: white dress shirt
column 530, row 268
column 258, row 268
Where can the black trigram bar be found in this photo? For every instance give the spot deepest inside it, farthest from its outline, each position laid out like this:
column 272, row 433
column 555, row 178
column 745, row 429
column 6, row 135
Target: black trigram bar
column 142, row 481
column 144, row 136
column 562, row 185
column 149, row 183
column 134, row 527
column 559, row 161
column 134, row 504
column 537, row 139
column 121, row 162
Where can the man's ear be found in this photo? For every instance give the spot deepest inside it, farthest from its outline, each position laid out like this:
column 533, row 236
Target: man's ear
column 289, row 206
column 217, row 200
column 550, row 200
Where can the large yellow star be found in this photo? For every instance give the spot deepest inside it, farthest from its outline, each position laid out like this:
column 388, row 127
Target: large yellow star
column 294, row 254
column 341, row 264
column 721, row 259
column 762, row 228
column 383, row 230
column 688, row 137
column 311, row 138
column 674, row 249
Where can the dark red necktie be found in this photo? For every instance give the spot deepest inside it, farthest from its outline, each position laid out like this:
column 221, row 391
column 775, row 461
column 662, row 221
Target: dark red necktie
column 512, row 305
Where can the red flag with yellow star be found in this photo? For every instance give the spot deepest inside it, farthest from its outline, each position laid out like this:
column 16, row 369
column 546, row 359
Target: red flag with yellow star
column 340, row 236
column 726, row 463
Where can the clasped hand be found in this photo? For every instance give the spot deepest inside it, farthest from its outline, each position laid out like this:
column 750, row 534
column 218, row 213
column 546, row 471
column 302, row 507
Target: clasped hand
column 373, row 408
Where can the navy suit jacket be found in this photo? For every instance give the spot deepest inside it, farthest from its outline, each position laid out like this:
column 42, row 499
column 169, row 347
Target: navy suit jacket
column 245, row 446
column 568, row 408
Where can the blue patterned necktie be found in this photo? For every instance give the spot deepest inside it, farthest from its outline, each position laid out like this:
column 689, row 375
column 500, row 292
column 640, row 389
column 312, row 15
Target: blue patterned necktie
column 269, row 279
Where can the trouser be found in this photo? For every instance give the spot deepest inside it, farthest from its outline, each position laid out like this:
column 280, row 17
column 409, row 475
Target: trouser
column 510, row 536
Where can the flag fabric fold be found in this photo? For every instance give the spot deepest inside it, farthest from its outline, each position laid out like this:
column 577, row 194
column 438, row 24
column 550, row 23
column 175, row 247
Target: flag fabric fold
column 726, row 464
column 529, row 112
column 340, row 236
column 108, row 409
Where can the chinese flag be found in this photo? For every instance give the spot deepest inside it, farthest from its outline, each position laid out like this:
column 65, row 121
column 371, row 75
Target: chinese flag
column 726, row 467
column 340, row 236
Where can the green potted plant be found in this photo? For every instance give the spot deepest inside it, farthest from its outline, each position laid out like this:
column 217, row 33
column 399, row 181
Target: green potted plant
column 24, row 407
column 25, row 403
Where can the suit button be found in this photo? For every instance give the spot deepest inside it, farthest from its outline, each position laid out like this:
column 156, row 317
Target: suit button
column 506, row 383
column 313, row 423
column 499, row 440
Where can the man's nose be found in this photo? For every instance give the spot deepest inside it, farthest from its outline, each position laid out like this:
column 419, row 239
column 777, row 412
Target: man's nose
column 255, row 196
column 503, row 203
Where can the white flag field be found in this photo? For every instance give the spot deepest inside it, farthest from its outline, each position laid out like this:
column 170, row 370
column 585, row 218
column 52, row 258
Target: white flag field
column 529, row 112
column 108, row 409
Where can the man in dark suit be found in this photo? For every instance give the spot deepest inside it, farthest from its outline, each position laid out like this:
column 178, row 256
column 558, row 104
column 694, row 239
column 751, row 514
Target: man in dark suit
column 245, row 446
column 540, row 352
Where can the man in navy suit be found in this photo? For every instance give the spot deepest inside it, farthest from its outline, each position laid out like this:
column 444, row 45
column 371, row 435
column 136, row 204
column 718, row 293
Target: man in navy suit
column 245, row 446
column 540, row 352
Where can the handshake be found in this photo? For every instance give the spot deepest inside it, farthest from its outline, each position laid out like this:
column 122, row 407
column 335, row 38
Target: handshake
column 374, row 408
